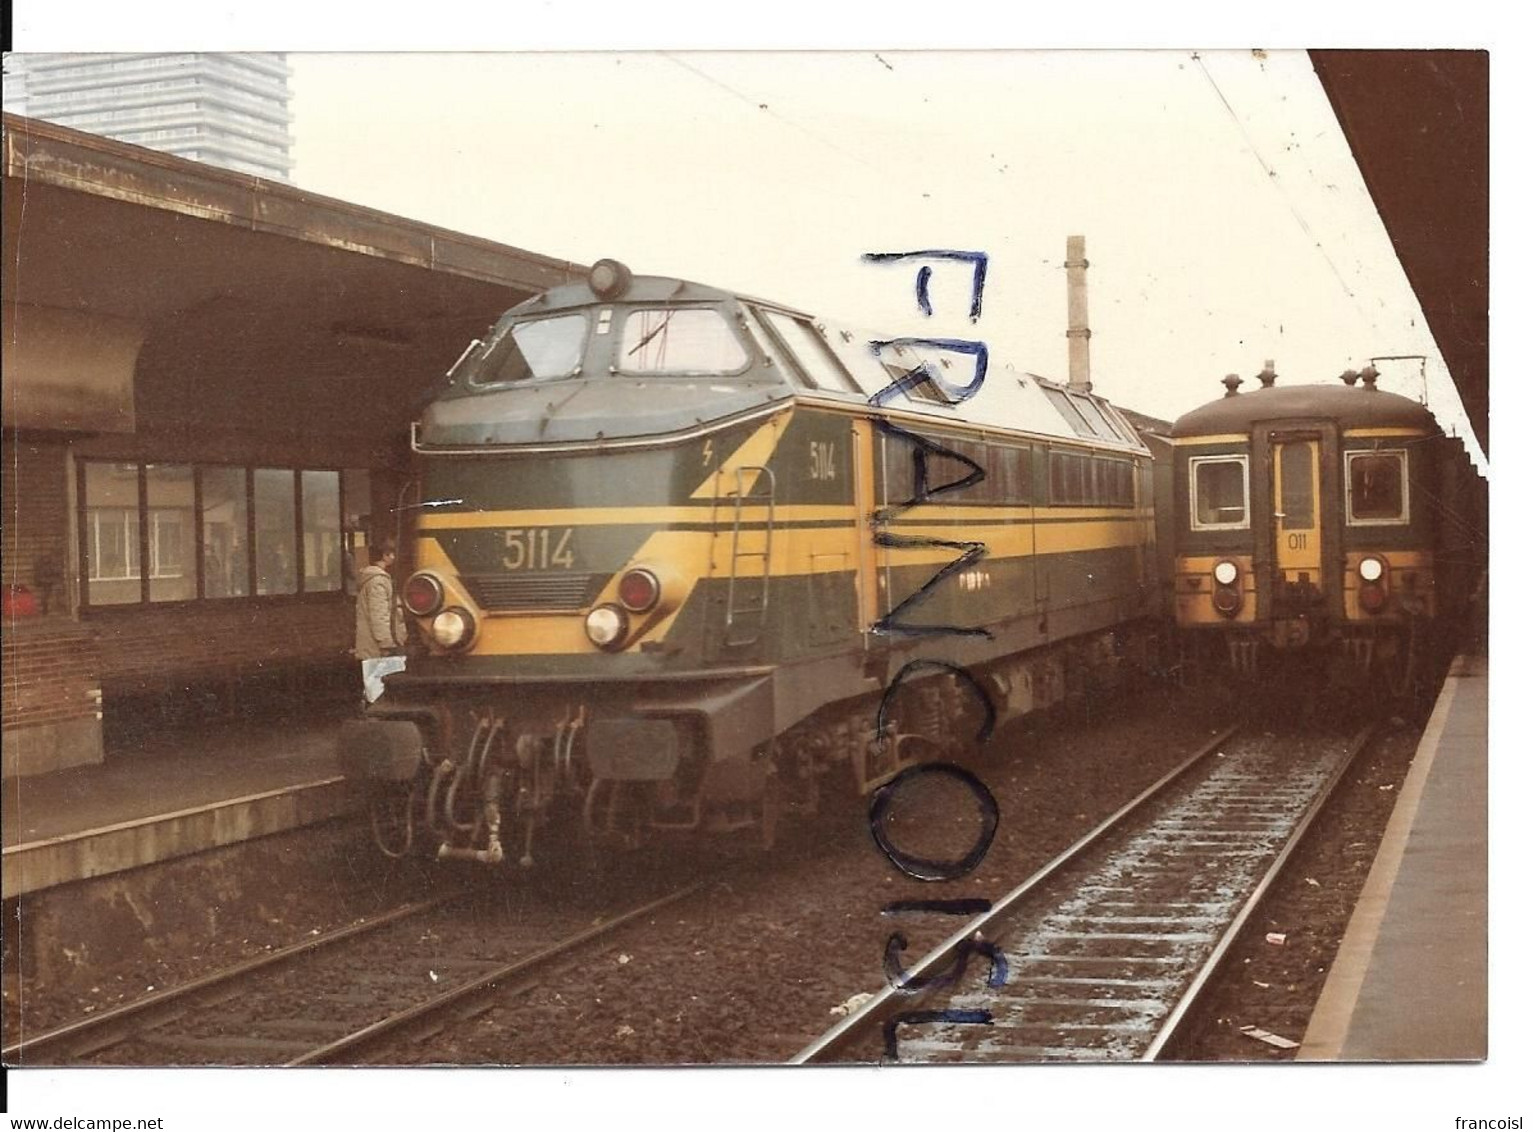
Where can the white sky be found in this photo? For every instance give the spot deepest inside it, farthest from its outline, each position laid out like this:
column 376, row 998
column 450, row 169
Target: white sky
column 1226, row 222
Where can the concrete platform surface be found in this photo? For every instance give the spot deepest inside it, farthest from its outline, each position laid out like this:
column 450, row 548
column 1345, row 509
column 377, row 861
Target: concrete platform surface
column 223, row 783
column 1410, row 980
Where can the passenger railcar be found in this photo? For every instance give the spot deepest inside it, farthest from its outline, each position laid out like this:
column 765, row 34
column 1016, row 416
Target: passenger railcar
column 669, row 559
column 1320, row 521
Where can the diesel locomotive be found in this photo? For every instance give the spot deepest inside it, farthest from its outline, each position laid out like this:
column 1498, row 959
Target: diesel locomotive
column 682, row 564
column 1333, row 525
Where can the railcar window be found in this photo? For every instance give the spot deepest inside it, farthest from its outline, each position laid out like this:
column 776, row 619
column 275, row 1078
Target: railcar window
column 1298, row 497
column 679, row 340
column 1376, row 487
column 540, row 350
column 1219, row 492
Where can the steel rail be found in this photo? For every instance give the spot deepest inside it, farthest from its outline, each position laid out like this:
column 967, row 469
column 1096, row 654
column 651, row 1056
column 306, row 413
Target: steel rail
column 873, row 1012
column 328, row 1053
column 1172, row 1026
column 88, row 1030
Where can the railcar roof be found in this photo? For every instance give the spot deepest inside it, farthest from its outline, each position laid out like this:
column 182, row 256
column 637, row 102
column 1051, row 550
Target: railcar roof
column 1349, row 406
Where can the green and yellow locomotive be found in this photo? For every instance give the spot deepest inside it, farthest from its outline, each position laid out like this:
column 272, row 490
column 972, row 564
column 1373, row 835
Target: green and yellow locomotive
column 669, row 558
column 1331, row 521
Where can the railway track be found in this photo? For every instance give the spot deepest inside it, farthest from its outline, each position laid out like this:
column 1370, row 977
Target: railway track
column 331, row 1000
column 1100, row 955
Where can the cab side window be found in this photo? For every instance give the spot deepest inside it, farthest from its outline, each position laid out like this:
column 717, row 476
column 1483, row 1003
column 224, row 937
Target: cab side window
column 1220, row 493
column 1376, row 488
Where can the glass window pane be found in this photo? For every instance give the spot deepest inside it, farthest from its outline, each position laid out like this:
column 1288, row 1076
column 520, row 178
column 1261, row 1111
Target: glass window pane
column 1068, row 410
column 172, row 530
column 276, row 526
column 813, row 355
column 321, row 531
column 1094, row 418
column 679, row 341
column 111, row 550
column 1298, row 501
column 543, row 349
column 225, row 537
column 356, row 486
column 1377, row 483
column 1220, row 492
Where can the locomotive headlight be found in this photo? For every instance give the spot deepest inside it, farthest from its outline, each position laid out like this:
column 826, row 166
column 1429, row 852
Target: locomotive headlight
column 1370, row 569
column 422, row 595
column 1226, row 572
column 606, row 626
column 609, row 279
column 452, row 628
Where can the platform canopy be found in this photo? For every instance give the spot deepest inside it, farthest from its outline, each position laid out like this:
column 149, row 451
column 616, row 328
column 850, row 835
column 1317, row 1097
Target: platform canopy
column 146, row 293
column 1418, row 123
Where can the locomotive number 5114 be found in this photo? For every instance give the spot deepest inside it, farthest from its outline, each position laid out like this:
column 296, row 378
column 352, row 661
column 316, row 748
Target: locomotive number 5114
column 538, row 548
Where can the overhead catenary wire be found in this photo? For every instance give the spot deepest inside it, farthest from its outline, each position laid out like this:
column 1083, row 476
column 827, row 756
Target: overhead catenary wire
column 1278, row 183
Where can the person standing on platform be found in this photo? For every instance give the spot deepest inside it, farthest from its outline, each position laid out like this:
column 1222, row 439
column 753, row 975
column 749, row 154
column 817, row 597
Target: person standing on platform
column 380, row 621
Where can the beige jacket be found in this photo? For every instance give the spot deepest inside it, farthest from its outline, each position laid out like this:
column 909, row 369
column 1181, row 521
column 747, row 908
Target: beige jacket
column 380, row 621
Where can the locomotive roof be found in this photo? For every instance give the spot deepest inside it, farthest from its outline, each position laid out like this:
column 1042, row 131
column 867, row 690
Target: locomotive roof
column 1349, row 406
column 597, row 404
column 641, row 289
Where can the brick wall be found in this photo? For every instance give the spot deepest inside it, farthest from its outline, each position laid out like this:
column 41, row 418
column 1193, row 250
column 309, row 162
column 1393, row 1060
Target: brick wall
column 35, row 509
column 50, row 667
column 186, row 642
column 55, row 666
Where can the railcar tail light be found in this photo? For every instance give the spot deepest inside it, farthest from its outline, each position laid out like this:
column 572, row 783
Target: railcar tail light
column 452, row 628
column 422, row 595
column 638, row 590
column 1226, row 588
column 606, row 626
column 1373, row 598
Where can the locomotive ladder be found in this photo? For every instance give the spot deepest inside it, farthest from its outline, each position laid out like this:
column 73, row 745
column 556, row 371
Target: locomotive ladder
column 746, row 603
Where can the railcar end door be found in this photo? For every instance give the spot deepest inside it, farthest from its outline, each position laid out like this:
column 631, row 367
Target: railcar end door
column 1297, row 529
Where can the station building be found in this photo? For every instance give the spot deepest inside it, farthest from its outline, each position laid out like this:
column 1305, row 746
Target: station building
column 209, row 381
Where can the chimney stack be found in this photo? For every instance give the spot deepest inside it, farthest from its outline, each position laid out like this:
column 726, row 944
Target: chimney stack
column 1079, row 333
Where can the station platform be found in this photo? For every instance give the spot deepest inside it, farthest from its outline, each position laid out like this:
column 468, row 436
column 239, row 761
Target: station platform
column 1409, row 982
column 179, row 793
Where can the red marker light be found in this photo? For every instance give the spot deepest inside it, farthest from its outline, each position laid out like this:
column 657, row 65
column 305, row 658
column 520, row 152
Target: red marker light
column 638, row 590
column 422, row 595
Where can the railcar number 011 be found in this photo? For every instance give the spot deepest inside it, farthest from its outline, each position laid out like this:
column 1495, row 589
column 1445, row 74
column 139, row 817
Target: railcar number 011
column 538, row 548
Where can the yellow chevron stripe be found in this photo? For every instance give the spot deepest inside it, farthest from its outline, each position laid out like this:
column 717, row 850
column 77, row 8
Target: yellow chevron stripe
column 730, row 478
